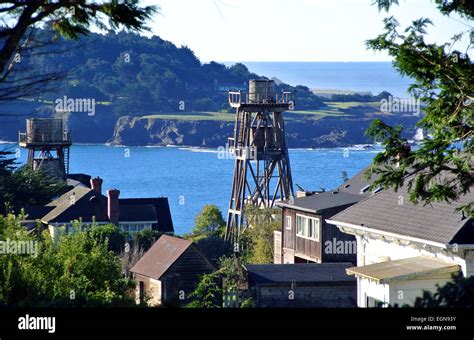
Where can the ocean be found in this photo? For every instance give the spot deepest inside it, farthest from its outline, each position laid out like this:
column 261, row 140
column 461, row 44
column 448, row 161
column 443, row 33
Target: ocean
column 372, row 77
column 192, row 178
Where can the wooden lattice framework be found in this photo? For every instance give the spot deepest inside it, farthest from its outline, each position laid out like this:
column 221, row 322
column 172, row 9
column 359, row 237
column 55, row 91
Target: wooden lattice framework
column 262, row 173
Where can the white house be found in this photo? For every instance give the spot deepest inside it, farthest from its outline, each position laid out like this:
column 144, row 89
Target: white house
column 403, row 249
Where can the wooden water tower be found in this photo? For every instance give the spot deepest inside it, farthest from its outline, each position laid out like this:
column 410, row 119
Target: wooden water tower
column 48, row 144
column 262, row 173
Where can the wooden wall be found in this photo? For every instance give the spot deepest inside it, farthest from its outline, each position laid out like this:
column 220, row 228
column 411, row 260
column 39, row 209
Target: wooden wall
column 185, row 272
column 326, row 295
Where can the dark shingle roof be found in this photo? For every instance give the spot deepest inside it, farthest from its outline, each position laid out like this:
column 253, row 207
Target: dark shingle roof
column 437, row 222
column 351, row 191
column 358, row 184
column 161, row 256
column 89, row 205
column 322, row 201
column 134, row 213
column 300, row 272
column 78, row 203
column 162, row 211
column 36, row 212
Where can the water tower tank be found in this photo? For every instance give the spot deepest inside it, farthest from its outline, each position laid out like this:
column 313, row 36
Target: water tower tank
column 261, row 90
column 44, row 130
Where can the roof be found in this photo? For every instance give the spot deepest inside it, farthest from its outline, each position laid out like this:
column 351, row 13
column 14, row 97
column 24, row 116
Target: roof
column 74, row 183
column 162, row 210
column 404, row 269
column 322, row 201
column 392, row 212
column 350, row 192
column 358, row 184
column 78, row 203
column 36, row 212
column 299, row 272
column 134, row 213
column 161, row 256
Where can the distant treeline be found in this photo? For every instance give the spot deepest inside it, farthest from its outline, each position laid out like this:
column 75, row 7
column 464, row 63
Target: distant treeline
column 137, row 75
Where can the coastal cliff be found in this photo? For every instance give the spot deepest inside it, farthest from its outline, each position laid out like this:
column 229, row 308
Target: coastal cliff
column 302, row 133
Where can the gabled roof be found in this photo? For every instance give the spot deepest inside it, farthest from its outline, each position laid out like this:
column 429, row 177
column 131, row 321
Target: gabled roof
column 404, row 269
column 162, row 210
column 78, row 203
column 350, row 192
column 84, row 203
column 300, row 273
column 319, row 202
column 392, row 212
column 161, row 256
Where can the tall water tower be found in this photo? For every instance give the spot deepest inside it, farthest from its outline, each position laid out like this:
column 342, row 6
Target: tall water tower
column 262, row 173
column 48, row 144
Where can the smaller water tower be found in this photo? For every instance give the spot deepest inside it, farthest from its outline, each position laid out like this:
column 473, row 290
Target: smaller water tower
column 48, row 144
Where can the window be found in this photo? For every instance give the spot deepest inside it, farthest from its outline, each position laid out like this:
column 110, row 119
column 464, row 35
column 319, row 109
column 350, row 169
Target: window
column 288, row 222
column 300, row 221
column 307, row 227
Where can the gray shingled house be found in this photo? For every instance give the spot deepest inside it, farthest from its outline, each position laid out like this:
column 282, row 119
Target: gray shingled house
column 169, row 271
column 302, row 285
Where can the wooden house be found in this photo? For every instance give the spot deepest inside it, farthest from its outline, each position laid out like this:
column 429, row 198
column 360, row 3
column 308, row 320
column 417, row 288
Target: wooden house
column 169, row 271
column 305, row 237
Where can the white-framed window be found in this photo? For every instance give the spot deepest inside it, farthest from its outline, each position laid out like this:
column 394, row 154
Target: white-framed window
column 300, row 222
column 288, row 222
column 307, row 227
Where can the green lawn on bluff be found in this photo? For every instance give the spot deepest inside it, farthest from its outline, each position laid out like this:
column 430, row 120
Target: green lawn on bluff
column 330, row 109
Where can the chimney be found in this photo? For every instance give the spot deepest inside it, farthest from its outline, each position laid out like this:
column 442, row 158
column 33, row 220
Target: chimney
column 96, row 184
column 113, row 205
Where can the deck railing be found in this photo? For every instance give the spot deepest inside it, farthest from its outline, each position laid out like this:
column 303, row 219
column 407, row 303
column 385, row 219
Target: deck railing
column 23, row 137
column 240, row 97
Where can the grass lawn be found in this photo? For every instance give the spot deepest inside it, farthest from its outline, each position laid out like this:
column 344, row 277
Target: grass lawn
column 216, row 116
column 330, row 109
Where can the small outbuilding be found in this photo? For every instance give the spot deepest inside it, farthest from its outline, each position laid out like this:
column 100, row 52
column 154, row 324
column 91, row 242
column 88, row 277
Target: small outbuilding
column 169, row 271
column 302, row 285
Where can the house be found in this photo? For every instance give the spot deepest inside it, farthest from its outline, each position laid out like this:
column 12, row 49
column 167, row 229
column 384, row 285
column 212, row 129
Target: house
column 89, row 205
column 302, row 285
column 169, row 271
column 403, row 248
column 306, row 237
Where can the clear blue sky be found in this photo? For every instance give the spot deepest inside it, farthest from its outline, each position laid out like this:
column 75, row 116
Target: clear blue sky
column 288, row 30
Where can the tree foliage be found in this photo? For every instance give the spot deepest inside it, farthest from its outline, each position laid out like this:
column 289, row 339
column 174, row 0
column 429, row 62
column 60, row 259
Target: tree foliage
column 258, row 237
column 65, row 18
column 79, row 270
column 23, row 186
column 457, row 293
column 209, row 222
column 441, row 169
column 208, row 232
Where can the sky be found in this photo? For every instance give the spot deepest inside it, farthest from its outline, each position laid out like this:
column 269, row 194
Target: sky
column 288, row 30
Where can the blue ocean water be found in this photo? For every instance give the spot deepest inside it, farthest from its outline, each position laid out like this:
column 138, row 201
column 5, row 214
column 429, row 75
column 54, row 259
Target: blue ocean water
column 354, row 76
column 191, row 178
